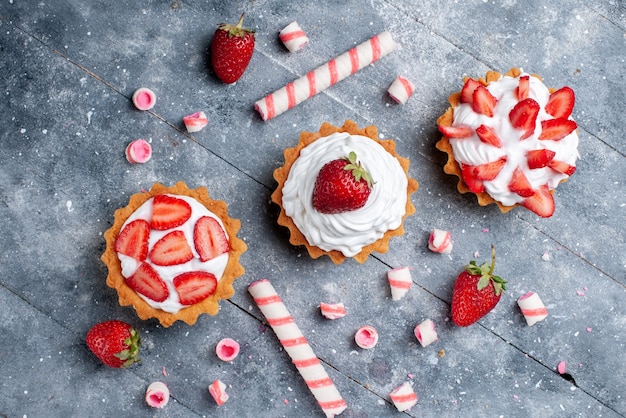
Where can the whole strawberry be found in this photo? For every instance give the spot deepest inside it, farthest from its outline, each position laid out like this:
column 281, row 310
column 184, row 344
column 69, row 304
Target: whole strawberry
column 115, row 343
column 231, row 50
column 342, row 185
column 476, row 292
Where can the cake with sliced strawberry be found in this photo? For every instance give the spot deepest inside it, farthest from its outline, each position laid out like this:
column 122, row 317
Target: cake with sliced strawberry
column 511, row 140
column 172, row 253
column 343, row 192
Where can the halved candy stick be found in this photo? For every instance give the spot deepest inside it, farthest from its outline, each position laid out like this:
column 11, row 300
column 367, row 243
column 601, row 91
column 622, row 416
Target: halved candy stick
column 195, row 122
column 425, row 332
column 296, row 345
column 332, row 310
column 401, row 89
column 138, row 152
column 227, row 349
column 403, row 397
column 293, row 37
column 157, row 395
column 400, row 282
column 217, row 389
column 325, row 76
column 440, row 241
column 532, row 308
column 144, row 98
column 366, row 337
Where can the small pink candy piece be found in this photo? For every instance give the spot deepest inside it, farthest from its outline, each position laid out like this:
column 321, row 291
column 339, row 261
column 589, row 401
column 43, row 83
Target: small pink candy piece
column 332, row 310
column 227, row 349
column 195, row 122
column 561, row 367
column 366, row 337
column 293, row 37
column 217, row 389
column 532, row 308
column 400, row 282
column 138, row 151
column 157, row 395
column 401, row 89
column 425, row 333
column 403, row 397
column 440, row 241
column 144, row 98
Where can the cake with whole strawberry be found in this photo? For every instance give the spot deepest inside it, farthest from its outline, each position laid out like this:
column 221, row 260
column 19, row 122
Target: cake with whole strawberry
column 511, row 140
column 172, row 253
column 343, row 192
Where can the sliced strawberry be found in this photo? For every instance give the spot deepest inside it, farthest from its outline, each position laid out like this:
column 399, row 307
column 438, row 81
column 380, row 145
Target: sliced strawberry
column 483, row 101
column 472, row 183
column 467, row 92
column 194, row 286
column 562, row 167
column 171, row 250
column 133, row 240
column 489, row 171
column 461, row 131
column 209, row 238
column 169, row 212
column 488, row 135
column 556, row 129
column 147, row 281
column 523, row 88
column 539, row 158
column 524, row 116
column 519, row 184
column 542, row 202
column 561, row 103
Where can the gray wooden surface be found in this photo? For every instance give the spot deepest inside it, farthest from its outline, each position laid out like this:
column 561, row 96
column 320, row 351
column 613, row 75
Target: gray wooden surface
column 68, row 69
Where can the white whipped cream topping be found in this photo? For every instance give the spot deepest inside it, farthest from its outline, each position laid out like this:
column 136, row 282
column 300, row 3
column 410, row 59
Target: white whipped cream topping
column 474, row 152
column 217, row 266
column 347, row 232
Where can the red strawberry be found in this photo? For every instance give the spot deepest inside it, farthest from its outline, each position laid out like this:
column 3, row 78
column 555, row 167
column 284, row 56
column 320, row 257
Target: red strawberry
column 461, row 131
column 472, row 183
column 133, row 240
column 342, row 185
column 467, row 92
column 519, row 184
column 476, row 292
column 562, row 167
column 561, row 103
column 483, row 101
column 170, row 250
column 488, row 135
column 523, row 88
column 169, row 212
column 542, row 202
column 539, row 158
column 489, row 171
column 147, row 281
column 209, row 238
column 557, row 129
column 524, row 116
column 231, row 51
column 115, row 343
column 194, row 286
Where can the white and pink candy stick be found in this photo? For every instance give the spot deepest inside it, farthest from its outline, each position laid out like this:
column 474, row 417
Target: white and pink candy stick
column 293, row 37
column 296, row 345
column 401, row 89
column 532, row 308
column 440, row 241
column 332, row 310
column 400, row 282
column 425, row 332
column 403, row 397
column 325, row 76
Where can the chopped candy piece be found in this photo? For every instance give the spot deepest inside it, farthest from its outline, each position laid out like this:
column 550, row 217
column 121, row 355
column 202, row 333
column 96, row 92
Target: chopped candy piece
column 425, row 333
column 401, row 89
column 400, row 282
column 227, row 349
column 366, row 337
column 195, row 122
column 561, row 367
column 440, row 241
column 217, row 389
column 332, row 310
column 157, row 395
column 138, row 152
column 403, row 397
column 532, row 308
column 293, row 37
column 144, row 98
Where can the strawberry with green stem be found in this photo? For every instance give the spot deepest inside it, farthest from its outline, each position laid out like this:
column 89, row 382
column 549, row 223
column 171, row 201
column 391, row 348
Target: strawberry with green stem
column 115, row 343
column 231, row 50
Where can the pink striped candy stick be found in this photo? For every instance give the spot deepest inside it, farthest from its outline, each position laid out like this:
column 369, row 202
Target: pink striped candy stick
column 403, row 397
column 400, row 282
column 296, row 345
column 325, row 76
column 532, row 308
column 401, row 89
column 293, row 37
